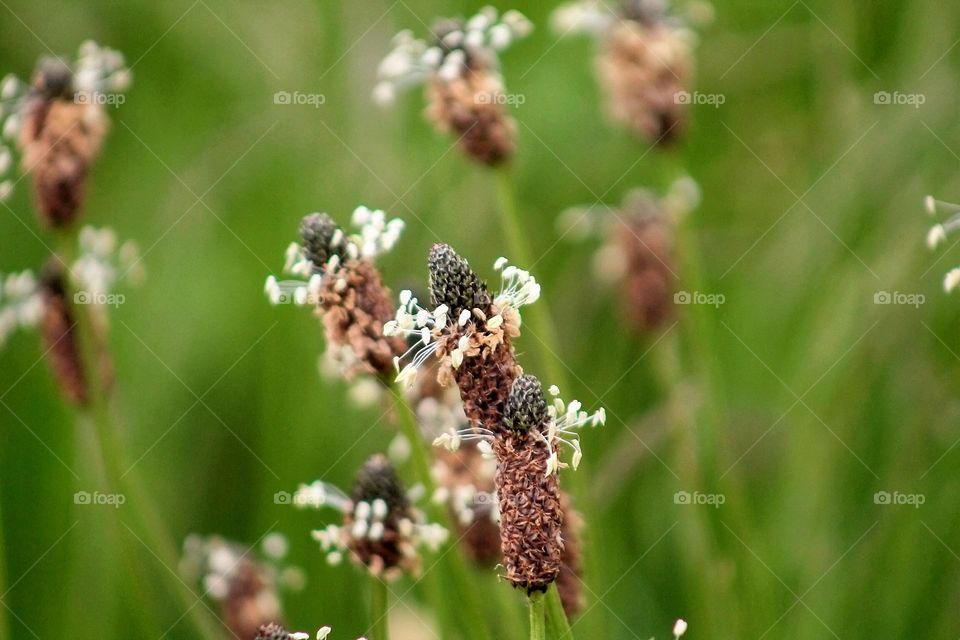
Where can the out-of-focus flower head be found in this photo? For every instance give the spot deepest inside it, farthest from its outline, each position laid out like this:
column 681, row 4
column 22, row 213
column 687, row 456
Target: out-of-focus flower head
column 460, row 68
column 381, row 529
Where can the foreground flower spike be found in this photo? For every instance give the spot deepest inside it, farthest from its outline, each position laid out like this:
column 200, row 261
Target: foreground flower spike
column 247, row 585
column 645, row 62
column 470, row 330
column 381, row 529
column 346, row 288
column 59, row 123
column 940, row 232
column 531, row 517
column 61, row 341
column 460, row 69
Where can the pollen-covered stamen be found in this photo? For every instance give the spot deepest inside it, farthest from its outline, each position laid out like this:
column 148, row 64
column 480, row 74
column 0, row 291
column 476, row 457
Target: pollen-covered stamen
column 21, row 303
column 565, row 419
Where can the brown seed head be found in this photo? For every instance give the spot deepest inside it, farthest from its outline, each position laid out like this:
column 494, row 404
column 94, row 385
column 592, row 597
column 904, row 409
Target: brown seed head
column 60, row 338
column 355, row 305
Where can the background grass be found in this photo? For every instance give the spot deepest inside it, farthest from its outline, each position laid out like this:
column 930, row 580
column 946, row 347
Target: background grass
column 811, row 205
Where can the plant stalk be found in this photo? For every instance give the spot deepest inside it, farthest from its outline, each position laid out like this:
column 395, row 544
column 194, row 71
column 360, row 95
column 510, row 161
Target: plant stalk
column 379, row 610
column 557, row 621
column 538, row 627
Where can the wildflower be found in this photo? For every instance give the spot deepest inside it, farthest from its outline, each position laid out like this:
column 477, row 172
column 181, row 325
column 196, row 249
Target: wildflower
column 460, row 68
column 59, row 123
column 531, row 517
column 381, row 530
column 637, row 256
column 469, row 330
column 645, row 61
column 346, row 288
column 246, row 586
column 939, row 233
column 61, row 341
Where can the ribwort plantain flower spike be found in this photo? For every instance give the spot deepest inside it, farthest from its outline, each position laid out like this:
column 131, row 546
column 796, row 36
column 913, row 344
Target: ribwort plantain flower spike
column 460, row 69
column 58, row 124
column 381, row 529
column 247, row 585
column 338, row 276
column 645, row 62
column 469, row 329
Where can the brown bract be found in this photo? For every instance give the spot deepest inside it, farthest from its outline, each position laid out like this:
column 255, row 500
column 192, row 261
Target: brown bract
column 355, row 305
column 488, row 368
column 60, row 139
column 531, row 516
column 644, row 69
column 471, row 107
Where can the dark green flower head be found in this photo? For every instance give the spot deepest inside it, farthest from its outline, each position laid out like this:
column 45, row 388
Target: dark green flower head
column 526, row 408
column 453, row 282
column 378, row 480
column 321, row 239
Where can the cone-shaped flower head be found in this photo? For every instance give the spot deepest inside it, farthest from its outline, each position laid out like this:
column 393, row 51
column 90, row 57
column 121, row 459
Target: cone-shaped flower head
column 453, row 283
column 321, row 239
column 526, row 408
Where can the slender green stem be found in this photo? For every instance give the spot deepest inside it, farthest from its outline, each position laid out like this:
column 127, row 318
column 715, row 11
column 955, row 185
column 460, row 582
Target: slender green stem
column 556, row 617
column 538, row 627
column 537, row 316
column 4, row 622
column 108, row 440
column 379, row 610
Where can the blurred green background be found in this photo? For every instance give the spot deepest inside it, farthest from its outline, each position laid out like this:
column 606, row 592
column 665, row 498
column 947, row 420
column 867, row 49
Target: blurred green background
column 811, row 206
